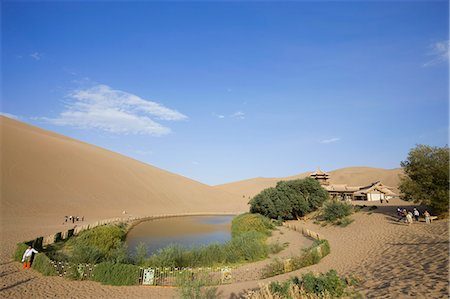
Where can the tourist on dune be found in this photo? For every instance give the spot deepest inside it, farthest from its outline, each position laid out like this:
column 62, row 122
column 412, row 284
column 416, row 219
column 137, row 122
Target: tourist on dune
column 26, row 259
column 409, row 218
column 427, row 216
column 416, row 214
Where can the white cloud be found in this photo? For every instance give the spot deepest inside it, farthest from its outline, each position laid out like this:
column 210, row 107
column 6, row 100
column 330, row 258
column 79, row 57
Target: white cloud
column 36, row 56
column 9, row 115
column 238, row 115
column 325, row 141
column 218, row 115
column 115, row 111
column 439, row 52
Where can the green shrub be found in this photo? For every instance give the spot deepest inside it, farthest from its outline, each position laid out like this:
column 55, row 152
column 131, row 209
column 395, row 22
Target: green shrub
column 100, row 244
column 334, row 210
column 193, row 287
column 275, row 268
column 289, row 199
column 280, row 289
column 310, row 256
column 251, row 222
column 276, row 247
column 116, row 274
column 344, row 221
column 329, row 282
column 20, row 250
column 248, row 246
column 44, row 265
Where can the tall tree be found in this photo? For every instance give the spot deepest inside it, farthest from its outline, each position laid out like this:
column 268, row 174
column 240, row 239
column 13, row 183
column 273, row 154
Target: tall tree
column 427, row 177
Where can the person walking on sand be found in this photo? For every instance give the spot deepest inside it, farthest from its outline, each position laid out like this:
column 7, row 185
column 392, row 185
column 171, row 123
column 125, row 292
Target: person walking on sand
column 416, row 214
column 26, row 259
column 427, row 216
column 409, row 218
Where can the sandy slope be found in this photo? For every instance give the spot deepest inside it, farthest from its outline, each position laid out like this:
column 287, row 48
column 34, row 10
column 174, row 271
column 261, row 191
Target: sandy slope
column 352, row 176
column 46, row 176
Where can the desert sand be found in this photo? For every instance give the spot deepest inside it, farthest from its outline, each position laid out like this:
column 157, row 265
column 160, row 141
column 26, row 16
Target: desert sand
column 46, row 176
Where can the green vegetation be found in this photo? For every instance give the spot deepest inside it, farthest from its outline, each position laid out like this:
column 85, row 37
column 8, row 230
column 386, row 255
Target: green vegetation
column 116, row 274
column 104, row 243
column 334, row 210
column 427, row 177
column 193, row 287
column 20, row 249
column 308, row 257
column 249, row 234
column 251, row 222
column 99, row 254
column 289, row 199
column 328, row 285
column 44, row 265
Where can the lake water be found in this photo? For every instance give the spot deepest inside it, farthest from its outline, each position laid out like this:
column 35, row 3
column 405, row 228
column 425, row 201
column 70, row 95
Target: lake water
column 188, row 232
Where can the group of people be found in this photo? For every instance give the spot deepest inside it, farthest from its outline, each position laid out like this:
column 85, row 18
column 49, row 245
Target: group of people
column 409, row 216
column 73, row 219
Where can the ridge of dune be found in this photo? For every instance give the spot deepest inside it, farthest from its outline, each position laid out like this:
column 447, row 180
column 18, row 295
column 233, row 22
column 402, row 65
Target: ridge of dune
column 45, row 176
column 352, row 176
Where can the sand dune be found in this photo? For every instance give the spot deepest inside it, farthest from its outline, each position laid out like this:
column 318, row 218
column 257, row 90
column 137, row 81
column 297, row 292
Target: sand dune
column 46, row 176
column 352, row 176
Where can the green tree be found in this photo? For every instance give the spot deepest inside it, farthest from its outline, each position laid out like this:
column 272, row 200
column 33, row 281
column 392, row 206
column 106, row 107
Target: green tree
column 289, row 199
column 427, row 177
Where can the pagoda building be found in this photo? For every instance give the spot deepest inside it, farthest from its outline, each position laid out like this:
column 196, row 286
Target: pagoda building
column 321, row 177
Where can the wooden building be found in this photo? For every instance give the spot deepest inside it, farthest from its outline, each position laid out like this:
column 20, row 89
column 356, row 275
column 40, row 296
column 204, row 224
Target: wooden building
column 372, row 192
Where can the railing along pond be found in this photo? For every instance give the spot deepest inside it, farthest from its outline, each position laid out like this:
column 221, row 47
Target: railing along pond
column 166, row 276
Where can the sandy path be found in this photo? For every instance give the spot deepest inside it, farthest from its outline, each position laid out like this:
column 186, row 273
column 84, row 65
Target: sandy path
column 391, row 259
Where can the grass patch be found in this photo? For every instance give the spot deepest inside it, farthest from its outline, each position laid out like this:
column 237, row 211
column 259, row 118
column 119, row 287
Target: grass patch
column 309, row 256
column 194, row 287
column 44, row 265
column 334, row 210
column 116, row 274
column 327, row 285
column 100, row 244
column 20, row 250
column 251, row 222
column 344, row 221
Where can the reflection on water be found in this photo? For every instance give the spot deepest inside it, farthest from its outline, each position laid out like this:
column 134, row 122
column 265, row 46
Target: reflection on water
column 188, row 232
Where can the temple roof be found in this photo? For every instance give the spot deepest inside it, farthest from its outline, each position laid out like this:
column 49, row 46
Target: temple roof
column 319, row 172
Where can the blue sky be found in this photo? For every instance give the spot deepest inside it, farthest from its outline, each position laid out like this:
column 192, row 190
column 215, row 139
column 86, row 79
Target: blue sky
column 224, row 91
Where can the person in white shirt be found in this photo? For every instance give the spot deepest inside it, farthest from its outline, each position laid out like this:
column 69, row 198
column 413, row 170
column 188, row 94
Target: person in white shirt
column 26, row 259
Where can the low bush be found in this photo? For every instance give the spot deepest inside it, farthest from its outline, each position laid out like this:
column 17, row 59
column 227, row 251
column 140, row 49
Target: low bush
column 20, row 250
column 280, row 289
column 44, row 265
column 116, row 274
column 100, row 244
column 251, row 222
column 329, row 282
column 343, row 222
column 194, row 287
column 328, row 285
column 334, row 210
column 246, row 247
column 310, row 256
